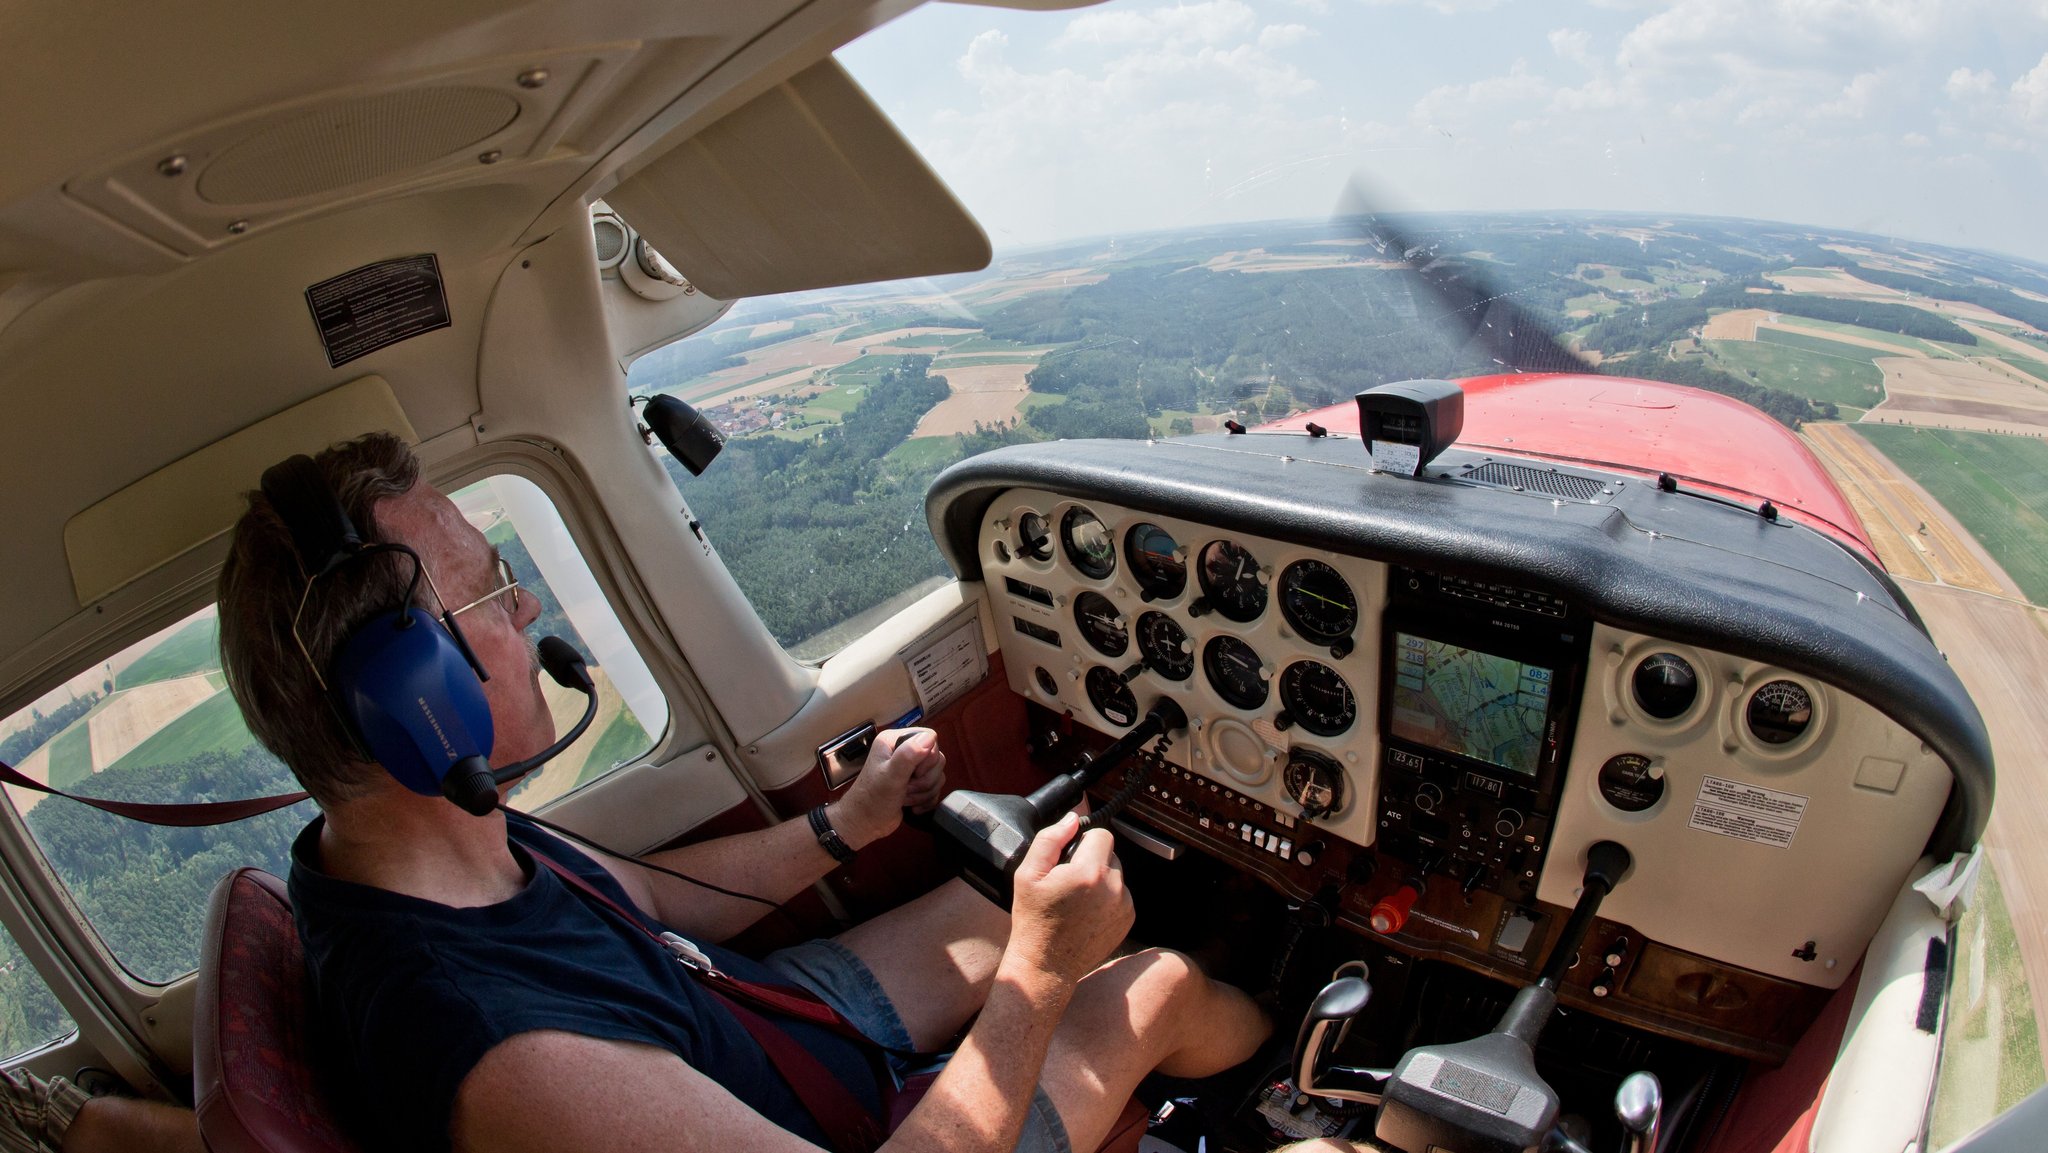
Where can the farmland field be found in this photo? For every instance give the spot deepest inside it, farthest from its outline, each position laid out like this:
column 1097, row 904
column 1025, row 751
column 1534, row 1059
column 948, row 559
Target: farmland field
column 194, row 648
column 1996, row 485
column 71, row 756
column 1815, row 375
column 212, row 726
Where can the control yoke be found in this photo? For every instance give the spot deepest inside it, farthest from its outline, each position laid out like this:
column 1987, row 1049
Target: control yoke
column 995, row 829
column 1483, row 1095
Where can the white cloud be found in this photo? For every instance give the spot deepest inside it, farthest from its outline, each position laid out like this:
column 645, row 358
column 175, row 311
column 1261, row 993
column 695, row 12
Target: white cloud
column 2030, row 93
column 1915, row 140
column 1855, row 99
column 1281, row 35
column 1968, row 83
column 1211, row 22
column 1446, row 7
column 1573, row 44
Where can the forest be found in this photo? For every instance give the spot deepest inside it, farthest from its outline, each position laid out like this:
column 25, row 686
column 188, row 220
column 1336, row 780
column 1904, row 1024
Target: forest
column 144, row 887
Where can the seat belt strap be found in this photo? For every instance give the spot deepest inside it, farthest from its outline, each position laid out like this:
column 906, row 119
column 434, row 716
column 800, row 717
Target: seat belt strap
column 829, row 1102
column 197, row 814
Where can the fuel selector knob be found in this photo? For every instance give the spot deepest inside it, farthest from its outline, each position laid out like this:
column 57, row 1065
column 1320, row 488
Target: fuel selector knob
column 1429, row 796
column 1507, row 823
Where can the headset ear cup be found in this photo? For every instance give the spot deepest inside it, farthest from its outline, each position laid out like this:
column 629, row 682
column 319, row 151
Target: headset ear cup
column 418, row 707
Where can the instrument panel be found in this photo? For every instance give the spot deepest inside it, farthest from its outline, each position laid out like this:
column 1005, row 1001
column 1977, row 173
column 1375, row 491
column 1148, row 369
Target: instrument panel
column 1103, row 610
column 1463, row 733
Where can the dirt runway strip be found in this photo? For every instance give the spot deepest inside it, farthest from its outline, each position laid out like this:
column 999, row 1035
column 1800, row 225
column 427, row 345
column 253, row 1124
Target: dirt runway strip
column 2000, row 651
column 1894, row 510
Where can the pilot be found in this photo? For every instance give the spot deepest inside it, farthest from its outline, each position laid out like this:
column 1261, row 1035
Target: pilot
column 482, row 983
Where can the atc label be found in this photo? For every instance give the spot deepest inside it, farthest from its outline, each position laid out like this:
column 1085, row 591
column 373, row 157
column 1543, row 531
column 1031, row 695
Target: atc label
column 1747, row 812
column 377, row 306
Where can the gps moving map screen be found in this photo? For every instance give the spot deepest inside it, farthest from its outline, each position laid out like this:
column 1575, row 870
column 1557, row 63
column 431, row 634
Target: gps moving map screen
column 1471, row 703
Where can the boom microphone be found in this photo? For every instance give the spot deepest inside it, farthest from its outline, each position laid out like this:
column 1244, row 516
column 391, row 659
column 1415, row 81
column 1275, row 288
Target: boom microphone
column 567, row 667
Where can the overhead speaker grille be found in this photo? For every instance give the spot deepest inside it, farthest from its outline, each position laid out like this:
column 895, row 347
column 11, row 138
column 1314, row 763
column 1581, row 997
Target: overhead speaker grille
column 351, row 141
column 611, row 239
column 1546, row 481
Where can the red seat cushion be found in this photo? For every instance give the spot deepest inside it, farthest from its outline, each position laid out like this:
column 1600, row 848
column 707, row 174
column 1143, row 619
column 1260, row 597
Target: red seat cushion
column 255, row 1091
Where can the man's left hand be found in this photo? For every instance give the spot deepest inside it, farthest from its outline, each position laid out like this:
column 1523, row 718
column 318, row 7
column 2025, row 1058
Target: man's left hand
column 904, row 769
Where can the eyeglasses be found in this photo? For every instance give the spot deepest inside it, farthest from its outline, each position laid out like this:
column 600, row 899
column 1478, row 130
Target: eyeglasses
column 507, row 584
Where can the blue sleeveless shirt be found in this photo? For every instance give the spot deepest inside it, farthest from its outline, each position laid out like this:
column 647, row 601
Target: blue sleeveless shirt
column 408, row 995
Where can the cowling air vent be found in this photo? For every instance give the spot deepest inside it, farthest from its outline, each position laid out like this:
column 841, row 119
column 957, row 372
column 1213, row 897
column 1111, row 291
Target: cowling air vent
column 1547, row 481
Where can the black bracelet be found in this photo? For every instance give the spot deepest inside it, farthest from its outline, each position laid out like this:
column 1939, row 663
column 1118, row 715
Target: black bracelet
column 829, row 838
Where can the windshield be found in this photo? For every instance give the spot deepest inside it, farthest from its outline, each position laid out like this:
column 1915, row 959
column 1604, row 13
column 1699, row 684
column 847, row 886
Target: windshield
column 1233, row 213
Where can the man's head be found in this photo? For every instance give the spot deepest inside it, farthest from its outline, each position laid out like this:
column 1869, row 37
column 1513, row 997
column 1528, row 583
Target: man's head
column 376, row 479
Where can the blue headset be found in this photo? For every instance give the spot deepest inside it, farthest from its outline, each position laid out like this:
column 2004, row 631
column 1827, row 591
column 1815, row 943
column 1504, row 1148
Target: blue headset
column 405, row 685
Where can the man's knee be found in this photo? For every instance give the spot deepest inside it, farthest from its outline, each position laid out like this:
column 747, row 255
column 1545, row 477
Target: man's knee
column 1151, row 985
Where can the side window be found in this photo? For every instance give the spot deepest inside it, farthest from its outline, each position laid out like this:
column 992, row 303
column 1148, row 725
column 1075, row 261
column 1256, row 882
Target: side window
column 156, row 723
column 1990, row 1041
column 30, row 1016
column 632, row 713
column 153, row 723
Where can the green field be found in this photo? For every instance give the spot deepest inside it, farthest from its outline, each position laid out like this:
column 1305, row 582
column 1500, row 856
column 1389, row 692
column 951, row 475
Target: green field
column 213, row 725
column 71, row 756
column 921, row 452
column 192, row 649
column 939, row 368
column 1910, row 343
column 622, row 740
column 2033, row 368
column 1996, row 485
column 1815, row 375
column 840, row 398
column 1818, row 344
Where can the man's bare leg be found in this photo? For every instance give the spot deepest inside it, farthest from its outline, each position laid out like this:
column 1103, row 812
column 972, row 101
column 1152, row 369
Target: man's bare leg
column 934, row 957
column 1148, row 1011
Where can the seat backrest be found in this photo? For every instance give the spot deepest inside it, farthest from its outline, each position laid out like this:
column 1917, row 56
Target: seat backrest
column 252, row 1072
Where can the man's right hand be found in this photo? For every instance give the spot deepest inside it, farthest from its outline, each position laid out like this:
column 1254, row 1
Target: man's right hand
column 1066, row 918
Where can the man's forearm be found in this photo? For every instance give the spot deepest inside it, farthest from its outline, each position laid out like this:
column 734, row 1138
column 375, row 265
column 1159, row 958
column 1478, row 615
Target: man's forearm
column 980, row 1102
column 775, row 864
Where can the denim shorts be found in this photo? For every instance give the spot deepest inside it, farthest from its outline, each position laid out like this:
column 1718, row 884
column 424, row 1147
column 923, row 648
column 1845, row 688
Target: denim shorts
column 843, row 981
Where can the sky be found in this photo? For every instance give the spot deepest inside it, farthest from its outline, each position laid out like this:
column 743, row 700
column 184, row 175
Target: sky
column 1922, row 119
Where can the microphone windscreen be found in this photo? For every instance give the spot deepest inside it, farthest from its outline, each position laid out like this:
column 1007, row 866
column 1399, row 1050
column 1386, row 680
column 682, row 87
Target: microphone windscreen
column 565, row 664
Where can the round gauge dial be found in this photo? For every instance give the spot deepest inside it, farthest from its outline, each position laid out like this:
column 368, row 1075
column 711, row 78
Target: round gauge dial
column 1315, row 782
column 1665, row 685
column 1101, row 624
column 1034, row 539
column 1317, row 698
column 1780, row 712
column 1111, row 697
column 1155, row 562
column 1317, row 601
column 1165, row 647
column 1090, row 547
column 1231, row 581
column 1234, row 672
column 1046, row 683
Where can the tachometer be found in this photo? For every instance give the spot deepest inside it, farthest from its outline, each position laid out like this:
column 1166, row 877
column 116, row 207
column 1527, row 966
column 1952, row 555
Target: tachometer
column 1780, row 712
column 1317, row 601
column 1665, row 685
column 1089, row 545
column 1111, row 697
column 1234, row 672
column 1317, row 699
column 1315, row 782
column 1101, row 624
column 1156, row 562
column 1165, row 647
column 1231, row 580
column 1034, row 539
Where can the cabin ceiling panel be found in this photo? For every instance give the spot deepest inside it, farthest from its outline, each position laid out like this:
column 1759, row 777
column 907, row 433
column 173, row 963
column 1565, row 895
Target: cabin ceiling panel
column 104, row 383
